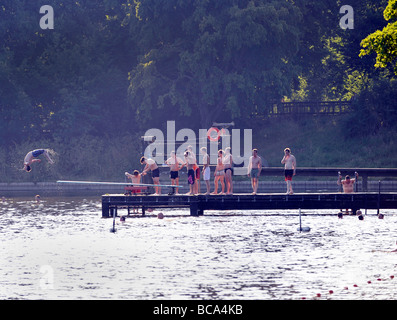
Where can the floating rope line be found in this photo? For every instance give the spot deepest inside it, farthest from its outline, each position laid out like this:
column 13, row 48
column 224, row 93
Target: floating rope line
column 346, row 288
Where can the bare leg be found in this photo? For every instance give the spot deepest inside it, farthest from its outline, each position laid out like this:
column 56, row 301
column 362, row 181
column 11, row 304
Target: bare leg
column 223, row 184
column 255, row 185
column 156, row 182
column 48, row 157
column 207, row 182
column 227, row 181
column 216, row 185
column 289, row 187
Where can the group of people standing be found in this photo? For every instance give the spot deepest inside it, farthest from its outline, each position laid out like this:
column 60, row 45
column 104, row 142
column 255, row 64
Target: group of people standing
column 223, row 172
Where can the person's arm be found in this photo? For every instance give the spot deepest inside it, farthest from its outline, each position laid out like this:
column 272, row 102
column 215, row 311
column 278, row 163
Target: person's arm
column 283, row 160
column 128, row 175
column 356, row 176
column 180, row 162
column 294, row 165
column 208, row 160
column 249, row 166
column 259, row 166
column 145, row 169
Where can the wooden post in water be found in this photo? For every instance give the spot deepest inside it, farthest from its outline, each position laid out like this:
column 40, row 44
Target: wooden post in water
column 105, row 210
column 378, row 197
column 194, row 210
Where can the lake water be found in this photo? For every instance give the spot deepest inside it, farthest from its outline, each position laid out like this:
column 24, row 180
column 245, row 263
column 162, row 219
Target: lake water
column 63, row 249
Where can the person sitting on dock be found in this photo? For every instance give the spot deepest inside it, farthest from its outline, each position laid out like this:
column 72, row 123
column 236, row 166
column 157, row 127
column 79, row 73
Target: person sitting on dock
column 254, row 170
column 135, row 178
column 152, row 165
column 347, row 184
column 173, row 162
column 290, row 168
column 32, row 156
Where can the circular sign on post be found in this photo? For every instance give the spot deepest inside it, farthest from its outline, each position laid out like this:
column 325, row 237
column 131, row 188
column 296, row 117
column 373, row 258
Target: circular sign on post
column 211, row 137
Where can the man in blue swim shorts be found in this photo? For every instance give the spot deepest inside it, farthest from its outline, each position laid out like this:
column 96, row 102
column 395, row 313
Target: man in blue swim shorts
column 254, row 169
column 32, row 156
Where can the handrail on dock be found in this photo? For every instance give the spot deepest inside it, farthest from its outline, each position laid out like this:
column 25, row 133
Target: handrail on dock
column 364, row 173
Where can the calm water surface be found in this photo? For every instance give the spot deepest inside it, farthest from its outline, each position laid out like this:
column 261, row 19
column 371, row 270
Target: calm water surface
column 62, row 249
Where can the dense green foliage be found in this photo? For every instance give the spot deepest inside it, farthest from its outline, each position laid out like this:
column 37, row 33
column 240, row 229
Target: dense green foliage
column 384, row 42
column 111, row 69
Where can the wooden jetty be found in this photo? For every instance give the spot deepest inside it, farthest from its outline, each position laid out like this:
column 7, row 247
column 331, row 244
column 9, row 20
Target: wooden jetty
column 268, row 201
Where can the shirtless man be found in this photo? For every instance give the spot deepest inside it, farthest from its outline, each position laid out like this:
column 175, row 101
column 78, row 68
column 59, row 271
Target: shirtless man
column 219, row 173
column 196, row 168
column 289, row 169
column 32, row 156
column 227, row 165
column 206, row 168
column 152, row 165
column 347, row 184
column 173, row 162
column 135, row 177
column 254, row 169
column 190, row 163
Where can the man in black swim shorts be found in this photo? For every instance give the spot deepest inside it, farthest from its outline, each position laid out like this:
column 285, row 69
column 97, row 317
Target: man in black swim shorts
column 152, row 166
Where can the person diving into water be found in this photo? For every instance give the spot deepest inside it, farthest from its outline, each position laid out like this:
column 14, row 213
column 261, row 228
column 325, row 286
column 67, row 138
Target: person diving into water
column 32, row 157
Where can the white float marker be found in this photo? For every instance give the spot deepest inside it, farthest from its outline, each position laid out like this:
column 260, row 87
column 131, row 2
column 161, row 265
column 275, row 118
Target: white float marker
column 304, row 229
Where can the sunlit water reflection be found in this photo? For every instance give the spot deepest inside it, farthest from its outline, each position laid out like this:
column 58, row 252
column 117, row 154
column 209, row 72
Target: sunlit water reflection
column 62, row 249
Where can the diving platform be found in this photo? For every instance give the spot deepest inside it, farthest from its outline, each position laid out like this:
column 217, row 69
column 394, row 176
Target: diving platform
column 197, row 204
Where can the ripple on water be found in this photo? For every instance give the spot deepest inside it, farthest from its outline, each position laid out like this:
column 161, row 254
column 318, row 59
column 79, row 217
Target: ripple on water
column 251, row 256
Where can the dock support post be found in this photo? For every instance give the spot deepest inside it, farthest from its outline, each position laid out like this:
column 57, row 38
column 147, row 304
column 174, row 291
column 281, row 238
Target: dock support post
column 378, row 198
column 105, row 210
column 194, row 210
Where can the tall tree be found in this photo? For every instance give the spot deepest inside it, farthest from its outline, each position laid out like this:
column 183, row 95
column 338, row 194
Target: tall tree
column 68, row 81
column 219, row 60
